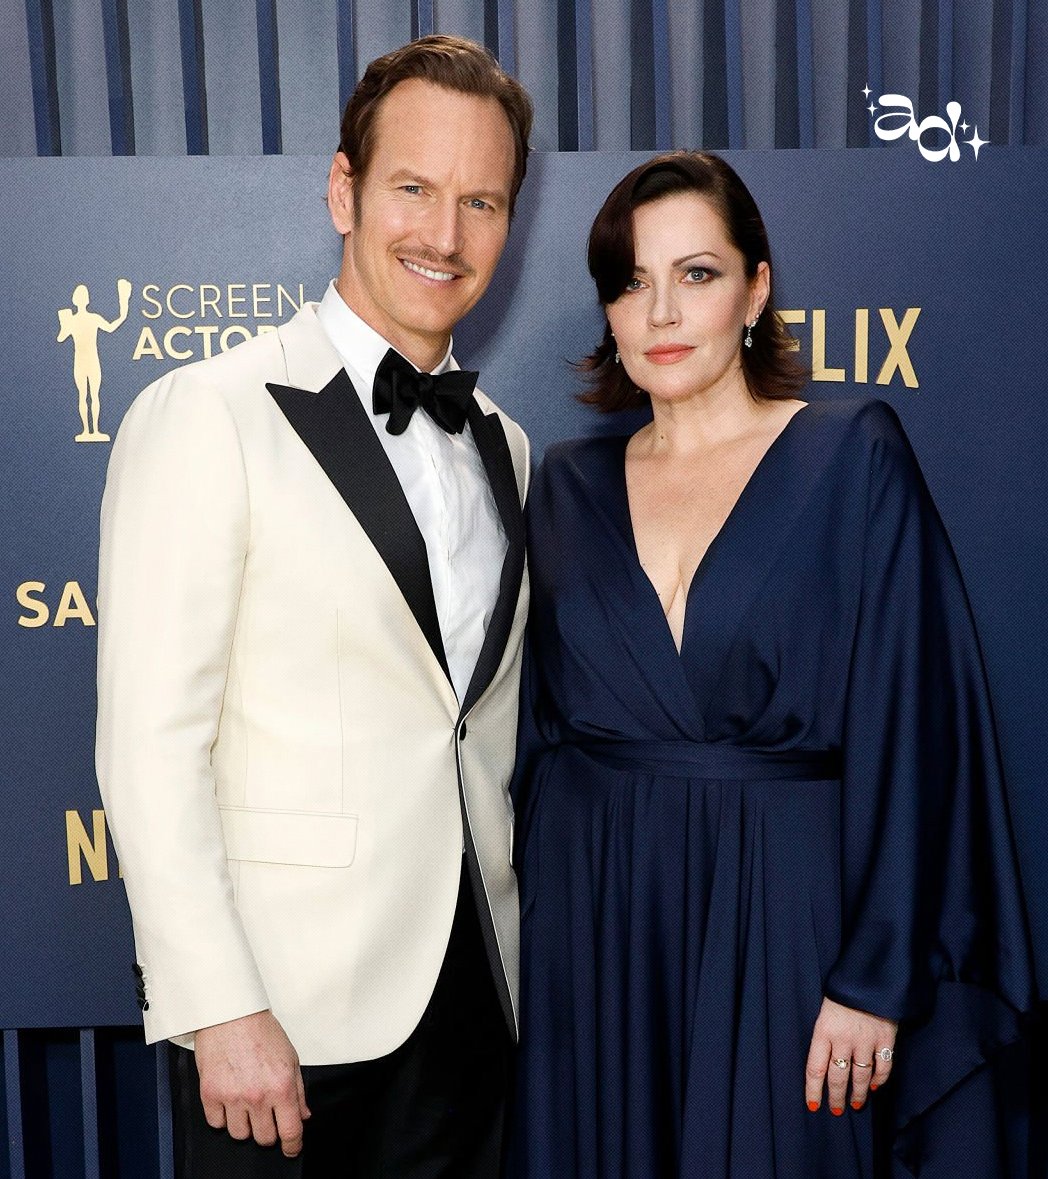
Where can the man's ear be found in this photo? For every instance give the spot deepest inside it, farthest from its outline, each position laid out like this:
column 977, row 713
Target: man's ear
column 340, row 193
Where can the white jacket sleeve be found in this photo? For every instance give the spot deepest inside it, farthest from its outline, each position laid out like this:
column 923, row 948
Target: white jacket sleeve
column 174, row 540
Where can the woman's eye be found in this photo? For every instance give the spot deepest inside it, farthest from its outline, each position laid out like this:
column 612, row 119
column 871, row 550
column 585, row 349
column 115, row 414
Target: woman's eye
column 698, row 274
column 634, row 284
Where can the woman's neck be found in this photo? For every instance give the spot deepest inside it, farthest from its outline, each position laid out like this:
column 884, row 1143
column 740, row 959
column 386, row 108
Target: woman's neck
column 702, row 422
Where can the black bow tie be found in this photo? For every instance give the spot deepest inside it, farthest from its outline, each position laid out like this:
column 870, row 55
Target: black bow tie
column 400, row 389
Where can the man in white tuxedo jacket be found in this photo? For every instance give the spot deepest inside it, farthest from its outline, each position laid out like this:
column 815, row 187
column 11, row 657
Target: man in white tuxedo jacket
column 305, row 765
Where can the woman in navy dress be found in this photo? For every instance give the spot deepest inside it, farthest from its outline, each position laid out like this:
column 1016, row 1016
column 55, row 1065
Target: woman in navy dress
column 761, row 823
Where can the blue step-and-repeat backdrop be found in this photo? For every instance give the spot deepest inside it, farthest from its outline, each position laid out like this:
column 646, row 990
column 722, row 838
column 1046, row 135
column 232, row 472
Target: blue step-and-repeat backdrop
column 921, row 281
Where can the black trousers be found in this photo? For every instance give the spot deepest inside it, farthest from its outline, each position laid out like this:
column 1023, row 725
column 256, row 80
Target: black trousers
column 433, row 1108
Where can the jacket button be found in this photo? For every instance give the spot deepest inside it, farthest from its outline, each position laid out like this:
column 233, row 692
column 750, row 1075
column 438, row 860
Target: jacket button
column 462, row 731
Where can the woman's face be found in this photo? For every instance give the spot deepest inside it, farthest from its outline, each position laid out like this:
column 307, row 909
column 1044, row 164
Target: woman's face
column 680, row 322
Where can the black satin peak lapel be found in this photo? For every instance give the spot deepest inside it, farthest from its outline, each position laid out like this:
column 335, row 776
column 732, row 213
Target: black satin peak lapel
column 490, row 437
column 335, row 426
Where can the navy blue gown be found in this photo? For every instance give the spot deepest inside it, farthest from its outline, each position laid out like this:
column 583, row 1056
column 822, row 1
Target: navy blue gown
column 805, row 801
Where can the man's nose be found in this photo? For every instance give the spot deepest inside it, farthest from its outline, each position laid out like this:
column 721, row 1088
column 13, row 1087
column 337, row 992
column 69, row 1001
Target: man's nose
column 442, row 229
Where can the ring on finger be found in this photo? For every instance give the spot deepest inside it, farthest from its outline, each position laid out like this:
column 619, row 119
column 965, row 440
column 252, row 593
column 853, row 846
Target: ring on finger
column 859, row 1064
column 840, row 1062
column 885, row 1054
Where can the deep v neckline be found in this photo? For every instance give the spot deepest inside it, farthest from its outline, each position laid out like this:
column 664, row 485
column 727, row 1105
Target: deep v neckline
column 726, row 526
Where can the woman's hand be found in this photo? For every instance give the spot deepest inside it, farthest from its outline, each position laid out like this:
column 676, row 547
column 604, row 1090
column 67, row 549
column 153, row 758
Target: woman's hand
column 855, row 1038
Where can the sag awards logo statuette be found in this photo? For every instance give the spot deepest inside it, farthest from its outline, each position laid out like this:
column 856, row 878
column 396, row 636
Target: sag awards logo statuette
column 82, row 326
column 181, row 323
column 897, row 119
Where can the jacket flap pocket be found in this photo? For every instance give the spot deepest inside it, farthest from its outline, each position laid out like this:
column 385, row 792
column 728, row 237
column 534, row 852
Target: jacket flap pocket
column 289, row 837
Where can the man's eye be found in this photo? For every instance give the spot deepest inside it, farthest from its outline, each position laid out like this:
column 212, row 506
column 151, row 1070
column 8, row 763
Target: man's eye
column 478, row 203
column 412, row 188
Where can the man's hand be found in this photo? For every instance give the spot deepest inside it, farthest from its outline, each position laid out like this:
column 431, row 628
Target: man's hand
column 250, row 1081
column 847, row 1045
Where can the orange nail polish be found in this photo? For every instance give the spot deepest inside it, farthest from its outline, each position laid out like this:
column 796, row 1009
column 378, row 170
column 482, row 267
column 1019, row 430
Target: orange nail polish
column 873, row 1086
column 836, row 1112
column 856, row 1105
column 813, row 1106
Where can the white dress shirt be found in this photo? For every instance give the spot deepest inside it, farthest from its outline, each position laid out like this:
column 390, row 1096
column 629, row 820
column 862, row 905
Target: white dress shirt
column 447, row 489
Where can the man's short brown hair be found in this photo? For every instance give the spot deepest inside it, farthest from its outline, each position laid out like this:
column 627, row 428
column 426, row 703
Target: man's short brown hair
column 451, row 62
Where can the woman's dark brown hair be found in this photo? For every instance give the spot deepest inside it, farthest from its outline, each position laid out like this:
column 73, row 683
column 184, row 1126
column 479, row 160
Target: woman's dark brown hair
column 770, row 366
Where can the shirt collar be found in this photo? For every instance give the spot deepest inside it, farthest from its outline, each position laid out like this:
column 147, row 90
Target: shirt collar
column 360, row 347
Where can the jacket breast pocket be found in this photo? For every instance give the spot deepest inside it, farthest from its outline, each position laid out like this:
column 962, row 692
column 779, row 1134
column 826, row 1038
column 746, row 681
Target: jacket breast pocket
column 289, row 837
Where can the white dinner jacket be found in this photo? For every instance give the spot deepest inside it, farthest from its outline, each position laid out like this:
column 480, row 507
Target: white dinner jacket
column 284, row 763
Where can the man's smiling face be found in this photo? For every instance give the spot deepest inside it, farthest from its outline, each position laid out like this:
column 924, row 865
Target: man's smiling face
column 426, row 224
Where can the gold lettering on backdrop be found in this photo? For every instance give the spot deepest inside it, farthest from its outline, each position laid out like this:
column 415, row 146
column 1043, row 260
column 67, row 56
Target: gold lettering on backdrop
column 184, row 341
column 206, row 331
column 179, row 286
column 149, row 293
column 147, row 345
column 819, row 371
column 284, row 296
column 169, row 343
column 177, row 342
column 258, row 298
column 82, row 848
column 38, row 609
column 72, row 604
column 898, row 357
column 82, row 325
column 862, row 345
column 237, row 301
column 824, row 339
column 209, row 297
column 209, row 300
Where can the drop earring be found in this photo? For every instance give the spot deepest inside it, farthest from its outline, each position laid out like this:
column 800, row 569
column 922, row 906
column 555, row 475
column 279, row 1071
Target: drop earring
column 748, row 341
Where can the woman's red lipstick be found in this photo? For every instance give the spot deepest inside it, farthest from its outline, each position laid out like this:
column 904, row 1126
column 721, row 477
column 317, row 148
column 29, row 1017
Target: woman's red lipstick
column 668, row 353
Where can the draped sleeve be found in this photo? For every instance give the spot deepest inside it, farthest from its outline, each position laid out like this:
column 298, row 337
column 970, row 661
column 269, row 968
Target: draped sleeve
column 934, row 931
